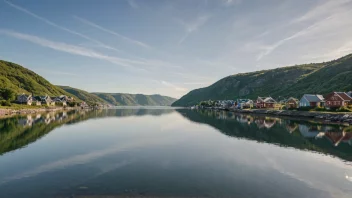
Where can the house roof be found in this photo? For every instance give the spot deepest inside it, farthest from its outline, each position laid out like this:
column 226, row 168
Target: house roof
column 313, row 97
column 292, row 98
column 266, row 99
column 343, row 95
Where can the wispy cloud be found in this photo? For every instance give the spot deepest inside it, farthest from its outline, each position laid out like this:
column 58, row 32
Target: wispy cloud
column 177, row 88
column 192, row 26
column 85, row 21
column 327, row 8
column 59, row 27
column 270, row 48
column 231, row 2
column 132, row 3
column 72, row 49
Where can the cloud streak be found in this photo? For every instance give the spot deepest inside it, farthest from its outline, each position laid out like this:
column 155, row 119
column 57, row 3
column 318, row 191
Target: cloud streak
column 133, row 4
column 72, row 49
column 177, row 88
column 59, row 27
column 192, row 26
column 135, row 42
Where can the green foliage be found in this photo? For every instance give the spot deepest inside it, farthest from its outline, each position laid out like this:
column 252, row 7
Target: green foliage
column 286, row 82
column 21, row 80
column 7, row 94
column 319, row 109
column 72, row 104
column 122, row 99
column 5, row 103
column 343, row 109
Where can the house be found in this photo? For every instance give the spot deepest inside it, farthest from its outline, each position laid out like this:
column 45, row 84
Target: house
column 349, row 93
column 265, row 102
column 311, row 100
column 244, row 103
column 292, row 103
column 36, row 102
column 24, row 99
column 61, row 100
column 337, row 100
column 45, row 100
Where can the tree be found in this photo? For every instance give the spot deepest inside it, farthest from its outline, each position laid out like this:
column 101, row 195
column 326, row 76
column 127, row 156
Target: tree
column 7, row 94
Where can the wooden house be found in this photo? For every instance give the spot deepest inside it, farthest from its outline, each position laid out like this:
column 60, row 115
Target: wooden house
column 337, row 100
column 45, row 100
column 265, row 102
column 292, row 103
column 311, row 100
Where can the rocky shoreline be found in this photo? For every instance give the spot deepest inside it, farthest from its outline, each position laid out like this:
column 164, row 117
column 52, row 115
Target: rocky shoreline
column 336, row 117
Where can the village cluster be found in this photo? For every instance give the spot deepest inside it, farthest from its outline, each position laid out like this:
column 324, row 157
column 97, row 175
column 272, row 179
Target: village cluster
column 334, row 100
column 46, row 100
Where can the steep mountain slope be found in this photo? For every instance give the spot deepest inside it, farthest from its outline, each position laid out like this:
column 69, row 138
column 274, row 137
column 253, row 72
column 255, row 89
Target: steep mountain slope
column 122, row 99
column 286, row 81
column 22, row 80
column 83, row 95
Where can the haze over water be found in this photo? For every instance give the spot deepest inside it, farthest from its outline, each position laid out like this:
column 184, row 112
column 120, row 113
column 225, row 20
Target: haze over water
column 172, row 153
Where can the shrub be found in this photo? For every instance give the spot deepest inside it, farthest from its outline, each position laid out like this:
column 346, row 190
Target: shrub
column 320, row 109
column 343, row 109
column 5, row 103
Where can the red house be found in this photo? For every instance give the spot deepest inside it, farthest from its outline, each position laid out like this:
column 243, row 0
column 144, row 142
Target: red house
column 265, row 102
column 337, row 99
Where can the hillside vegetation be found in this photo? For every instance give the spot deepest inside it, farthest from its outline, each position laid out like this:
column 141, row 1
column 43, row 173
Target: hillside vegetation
column 83, row 95
column 22, row 80
column 285, row 82
column 122, row 99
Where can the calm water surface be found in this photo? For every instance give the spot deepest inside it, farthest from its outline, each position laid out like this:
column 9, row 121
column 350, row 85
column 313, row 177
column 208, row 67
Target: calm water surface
column 172, row 153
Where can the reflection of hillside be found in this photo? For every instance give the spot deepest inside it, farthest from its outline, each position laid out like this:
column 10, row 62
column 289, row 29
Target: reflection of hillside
column 282, row 133
column 17, row 132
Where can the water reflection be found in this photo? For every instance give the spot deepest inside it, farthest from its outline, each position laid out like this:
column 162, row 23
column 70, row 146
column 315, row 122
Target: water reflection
column 328, row 139
column 19, row 131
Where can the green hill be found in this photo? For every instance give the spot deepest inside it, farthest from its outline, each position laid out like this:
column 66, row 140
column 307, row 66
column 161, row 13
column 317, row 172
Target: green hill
column 23, row 80
column 285, row 82
column 122, row 99
column 83, row 95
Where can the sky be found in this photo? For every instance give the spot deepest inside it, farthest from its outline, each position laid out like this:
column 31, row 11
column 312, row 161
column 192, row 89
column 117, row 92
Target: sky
column 168, row 47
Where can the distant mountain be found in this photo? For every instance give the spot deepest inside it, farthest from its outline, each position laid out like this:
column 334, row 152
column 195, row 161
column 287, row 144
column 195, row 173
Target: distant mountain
column 120, row 99
column 23, row 80
column 123, row 99
column 281, row 82
column 83, row 95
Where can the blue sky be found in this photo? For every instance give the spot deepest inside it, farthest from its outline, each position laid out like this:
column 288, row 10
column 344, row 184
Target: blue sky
column 165, row 46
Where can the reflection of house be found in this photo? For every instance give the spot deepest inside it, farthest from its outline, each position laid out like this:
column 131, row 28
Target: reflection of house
column 292, row 103
column 24, row 99
column 268, row 123
column 291, row 127
column 311, row 100
column 308, row 131
column 337, row 99
column 337, row 137
column 26, row 121
column 265, row 102
column 265, row 122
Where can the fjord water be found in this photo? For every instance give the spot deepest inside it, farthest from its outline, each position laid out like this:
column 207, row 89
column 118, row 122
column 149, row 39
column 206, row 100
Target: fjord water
column 172, row 153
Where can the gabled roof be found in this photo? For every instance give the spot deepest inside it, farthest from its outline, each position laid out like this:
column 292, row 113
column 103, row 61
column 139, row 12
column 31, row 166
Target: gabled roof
column 344, row 95
column 266, row 99
column 292, row 98
column 313, row 97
